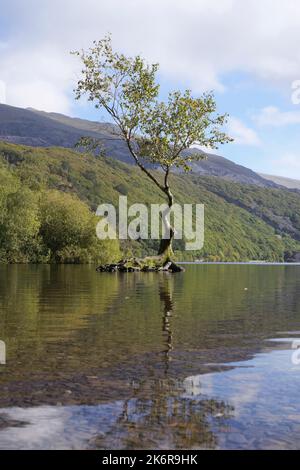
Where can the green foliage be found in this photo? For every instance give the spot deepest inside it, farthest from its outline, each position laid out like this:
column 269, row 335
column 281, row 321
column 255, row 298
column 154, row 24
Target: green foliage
column 174, row 126
column 45, row 226
column 68, row 229
column 19, row 222
column 64, row 221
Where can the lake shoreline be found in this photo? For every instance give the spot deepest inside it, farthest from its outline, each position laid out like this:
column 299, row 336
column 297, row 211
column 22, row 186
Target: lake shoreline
column 249, row 263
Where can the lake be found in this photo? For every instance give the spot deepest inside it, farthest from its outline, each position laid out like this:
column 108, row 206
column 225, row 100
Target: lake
column 201, row 359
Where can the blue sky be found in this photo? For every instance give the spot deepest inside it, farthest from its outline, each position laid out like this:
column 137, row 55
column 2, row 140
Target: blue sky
column 246, row 51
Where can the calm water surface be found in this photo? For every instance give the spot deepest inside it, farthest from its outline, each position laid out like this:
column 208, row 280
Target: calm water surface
column 195, row 360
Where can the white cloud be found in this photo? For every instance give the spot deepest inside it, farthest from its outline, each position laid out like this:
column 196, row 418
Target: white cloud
column 272, row 116
column 242, row 134
column 40, row 77
column 196, row 41
column 2, row 92
column 287, row 165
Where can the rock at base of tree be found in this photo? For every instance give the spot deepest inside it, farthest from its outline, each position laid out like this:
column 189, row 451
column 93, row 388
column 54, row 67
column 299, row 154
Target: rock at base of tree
column 139, row 265
column 175, row 268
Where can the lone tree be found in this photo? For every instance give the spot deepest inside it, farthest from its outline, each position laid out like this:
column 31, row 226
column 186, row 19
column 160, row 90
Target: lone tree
column 156, row 132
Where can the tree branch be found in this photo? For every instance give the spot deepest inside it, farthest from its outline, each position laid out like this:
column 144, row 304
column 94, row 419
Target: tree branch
column 141, row 166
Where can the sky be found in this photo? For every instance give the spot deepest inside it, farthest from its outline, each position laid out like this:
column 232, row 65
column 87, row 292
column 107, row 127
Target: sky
column 247, row 51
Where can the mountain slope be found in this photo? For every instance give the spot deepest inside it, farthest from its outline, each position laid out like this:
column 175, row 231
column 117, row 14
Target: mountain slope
column 215, row 165
column 33, row 128
column 234, row 231
column 41, row 129
column 282, row 181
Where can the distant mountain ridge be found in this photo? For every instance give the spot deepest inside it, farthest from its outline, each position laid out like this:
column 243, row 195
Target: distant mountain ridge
column 41, row 129
column 282, row 181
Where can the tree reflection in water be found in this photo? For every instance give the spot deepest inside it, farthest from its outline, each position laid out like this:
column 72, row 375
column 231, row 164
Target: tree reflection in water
column 160, row 413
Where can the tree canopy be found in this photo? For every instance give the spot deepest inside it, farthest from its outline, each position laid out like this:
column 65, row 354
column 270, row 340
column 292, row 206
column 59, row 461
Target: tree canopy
column 154, row 130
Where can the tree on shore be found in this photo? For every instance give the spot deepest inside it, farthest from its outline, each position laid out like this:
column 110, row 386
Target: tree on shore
column 157, row 133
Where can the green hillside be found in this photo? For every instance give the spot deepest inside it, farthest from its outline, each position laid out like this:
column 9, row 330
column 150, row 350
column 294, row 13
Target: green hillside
column 47, row 196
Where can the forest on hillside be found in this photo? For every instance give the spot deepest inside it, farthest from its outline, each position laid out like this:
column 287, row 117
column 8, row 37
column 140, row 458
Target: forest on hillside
column 48, row 199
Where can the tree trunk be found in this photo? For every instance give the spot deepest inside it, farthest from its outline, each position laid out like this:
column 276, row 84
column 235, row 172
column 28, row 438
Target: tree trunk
column 165, row 247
